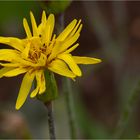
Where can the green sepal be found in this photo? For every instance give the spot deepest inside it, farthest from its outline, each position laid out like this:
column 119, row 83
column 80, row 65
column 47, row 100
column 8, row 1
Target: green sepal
column 51, row 92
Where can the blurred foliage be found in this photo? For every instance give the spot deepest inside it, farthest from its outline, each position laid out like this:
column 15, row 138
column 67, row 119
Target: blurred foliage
column 19, row 9
column 89, row 128
column 12, row 14
column 55, row 7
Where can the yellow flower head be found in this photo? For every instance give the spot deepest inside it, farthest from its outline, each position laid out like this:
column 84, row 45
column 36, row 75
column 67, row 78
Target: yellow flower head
column 42, row 50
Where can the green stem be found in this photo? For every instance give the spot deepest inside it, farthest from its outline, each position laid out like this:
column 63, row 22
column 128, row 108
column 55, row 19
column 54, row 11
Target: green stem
column 70, row 108
column 68, row 92
column 50, row 120
column 127, row 112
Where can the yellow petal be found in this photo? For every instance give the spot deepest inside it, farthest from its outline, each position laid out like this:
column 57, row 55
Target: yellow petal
column 71, row 63
column 8, row 54
column 10, row 64
column 75, row 28
column 72, row 48
column 25, row 52
column 45, row 29
column 68, row 43
column 55, row 50
column 67, row 31
column 34, row 92
column 34, row 25
column 4, row 70
column 63, row 46
column 59, row 67
column 79, row 29
column 51, row 22
column 15, row 72
column 49, row 48
column 48, row 29
column 24, row 89
column 43, row 20
column 42, row 60
column 42, row 27
column 27, row 63
column 41, row 82
column 26, row 27
column 13, row 56
column 86, row 60
column 13, row 42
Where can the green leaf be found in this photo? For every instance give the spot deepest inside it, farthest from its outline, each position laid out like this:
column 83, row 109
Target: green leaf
column 56, row 7
column 51, row 92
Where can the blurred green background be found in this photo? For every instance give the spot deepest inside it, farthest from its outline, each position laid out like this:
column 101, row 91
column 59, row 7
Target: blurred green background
column 111, row 31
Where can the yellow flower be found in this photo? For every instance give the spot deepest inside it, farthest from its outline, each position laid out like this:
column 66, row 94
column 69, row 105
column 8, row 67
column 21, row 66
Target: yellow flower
column 42, row 50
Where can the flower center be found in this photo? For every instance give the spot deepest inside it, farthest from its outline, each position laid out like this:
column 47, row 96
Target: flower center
column 35, row 51
column 36, row 48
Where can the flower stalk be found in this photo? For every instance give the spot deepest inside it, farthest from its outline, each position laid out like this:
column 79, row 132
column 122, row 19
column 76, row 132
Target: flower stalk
column 50, row 120
column 68, row 93
column 70, row 109
column 47, row 97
